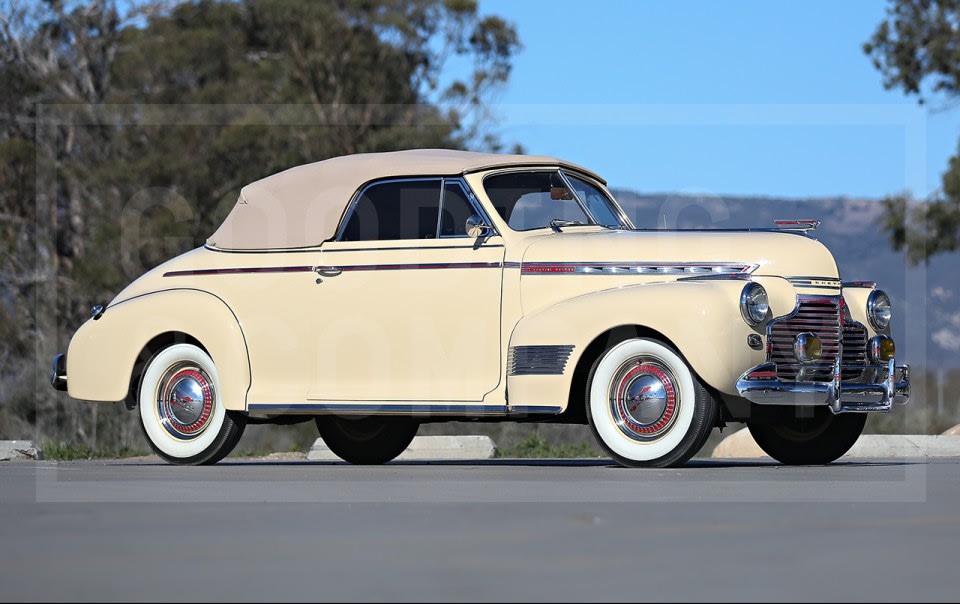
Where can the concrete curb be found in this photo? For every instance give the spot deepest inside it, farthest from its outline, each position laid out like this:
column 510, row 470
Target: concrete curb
column 906, row 445
column 426, row 448
column 740, row 444
column 16, row 450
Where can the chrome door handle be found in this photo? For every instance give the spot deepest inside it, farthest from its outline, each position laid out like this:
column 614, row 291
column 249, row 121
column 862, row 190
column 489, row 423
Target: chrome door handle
column 328, row 271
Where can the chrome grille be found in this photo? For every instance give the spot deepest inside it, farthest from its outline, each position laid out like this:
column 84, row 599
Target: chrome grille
column 817, row 314
column 854, row 350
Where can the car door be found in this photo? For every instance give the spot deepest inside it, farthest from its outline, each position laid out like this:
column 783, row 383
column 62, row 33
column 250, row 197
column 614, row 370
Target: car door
column 407, row 304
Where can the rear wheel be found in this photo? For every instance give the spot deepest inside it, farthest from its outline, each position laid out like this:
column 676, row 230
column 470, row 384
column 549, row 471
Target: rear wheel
column 368, row 440
column 808, row 436
column 646, row 407
column 181, row 412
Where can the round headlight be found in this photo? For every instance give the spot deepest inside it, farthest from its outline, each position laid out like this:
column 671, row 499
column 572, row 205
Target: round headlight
column 878, row 309
column 753, row 303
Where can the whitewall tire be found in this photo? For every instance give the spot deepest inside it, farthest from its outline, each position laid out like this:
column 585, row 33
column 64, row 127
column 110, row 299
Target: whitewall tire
column 645, row 406
column 181, row 411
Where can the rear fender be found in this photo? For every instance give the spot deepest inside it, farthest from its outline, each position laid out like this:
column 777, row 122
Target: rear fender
column 103, row 352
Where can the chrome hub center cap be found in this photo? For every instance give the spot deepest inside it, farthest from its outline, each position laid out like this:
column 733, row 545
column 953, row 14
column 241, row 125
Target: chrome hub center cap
column 185, row 399
column 644, row 398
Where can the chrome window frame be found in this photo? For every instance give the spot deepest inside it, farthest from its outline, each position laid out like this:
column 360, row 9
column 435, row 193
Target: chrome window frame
column 625, row 222
column 562, row 171
column 471, row 199
column 443, row 180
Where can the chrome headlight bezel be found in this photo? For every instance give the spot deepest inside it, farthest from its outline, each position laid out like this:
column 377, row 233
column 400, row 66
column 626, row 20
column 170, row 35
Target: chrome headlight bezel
column 879, row 309
column 754, row 303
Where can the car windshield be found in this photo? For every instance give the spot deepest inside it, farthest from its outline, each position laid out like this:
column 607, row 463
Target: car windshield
column 550, row 199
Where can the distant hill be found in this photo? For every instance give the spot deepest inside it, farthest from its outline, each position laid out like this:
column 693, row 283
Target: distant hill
column 926, row 299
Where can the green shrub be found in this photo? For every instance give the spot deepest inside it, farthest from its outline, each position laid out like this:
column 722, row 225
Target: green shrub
column 73, row 452
column 536, row 447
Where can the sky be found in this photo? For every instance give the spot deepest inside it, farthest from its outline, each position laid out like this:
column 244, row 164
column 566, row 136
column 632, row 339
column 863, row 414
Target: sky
column 725, row 98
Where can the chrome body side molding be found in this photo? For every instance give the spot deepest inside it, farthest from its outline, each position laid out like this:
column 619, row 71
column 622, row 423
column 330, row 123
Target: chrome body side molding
column 418, row 409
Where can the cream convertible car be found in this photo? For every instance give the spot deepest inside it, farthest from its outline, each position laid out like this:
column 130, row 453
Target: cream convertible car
column 374, row 293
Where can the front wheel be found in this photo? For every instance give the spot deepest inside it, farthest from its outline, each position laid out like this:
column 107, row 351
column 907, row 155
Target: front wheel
column 646, row 407
column 808, row 436
column 181, row 412
column 368, row 440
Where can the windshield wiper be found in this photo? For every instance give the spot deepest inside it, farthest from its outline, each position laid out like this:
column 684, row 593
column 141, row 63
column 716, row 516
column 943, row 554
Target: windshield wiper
column 556, row 223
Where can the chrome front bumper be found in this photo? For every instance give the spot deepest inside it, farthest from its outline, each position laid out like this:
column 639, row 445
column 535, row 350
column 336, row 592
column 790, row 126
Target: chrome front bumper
column 890, row 385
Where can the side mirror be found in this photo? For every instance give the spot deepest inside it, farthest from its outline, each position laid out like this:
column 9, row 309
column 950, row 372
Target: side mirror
column 477, row 228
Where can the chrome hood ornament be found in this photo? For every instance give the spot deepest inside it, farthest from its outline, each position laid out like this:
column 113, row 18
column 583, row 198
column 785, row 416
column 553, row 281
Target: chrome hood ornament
column 798, row 224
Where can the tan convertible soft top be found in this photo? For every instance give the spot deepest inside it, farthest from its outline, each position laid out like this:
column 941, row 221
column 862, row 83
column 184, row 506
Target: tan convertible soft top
column 302, row 206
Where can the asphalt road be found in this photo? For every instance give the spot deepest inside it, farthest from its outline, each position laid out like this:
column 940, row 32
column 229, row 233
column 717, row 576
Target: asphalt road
column 498, row 530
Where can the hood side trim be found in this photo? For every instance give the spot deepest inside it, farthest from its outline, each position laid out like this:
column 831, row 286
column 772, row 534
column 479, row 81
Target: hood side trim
column 637, row 268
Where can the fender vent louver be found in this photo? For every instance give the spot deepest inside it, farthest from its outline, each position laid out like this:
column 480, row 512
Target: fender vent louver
column 537, row 360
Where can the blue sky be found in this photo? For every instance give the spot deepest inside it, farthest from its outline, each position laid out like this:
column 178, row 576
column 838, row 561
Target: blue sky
column 743, row 97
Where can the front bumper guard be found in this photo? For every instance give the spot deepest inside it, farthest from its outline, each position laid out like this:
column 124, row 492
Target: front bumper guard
column 890, row 385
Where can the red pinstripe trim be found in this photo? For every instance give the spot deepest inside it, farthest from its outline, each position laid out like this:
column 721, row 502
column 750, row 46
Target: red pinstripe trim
column 239, row 271
column 762, row 375
column 358, row 267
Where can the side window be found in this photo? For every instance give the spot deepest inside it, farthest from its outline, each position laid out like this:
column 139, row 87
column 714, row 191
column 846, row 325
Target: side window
column 596, row 201
column 406, row 209
column 455, row 210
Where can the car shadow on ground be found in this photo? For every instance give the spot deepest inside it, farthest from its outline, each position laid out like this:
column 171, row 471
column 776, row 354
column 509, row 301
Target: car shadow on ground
column 697, row 463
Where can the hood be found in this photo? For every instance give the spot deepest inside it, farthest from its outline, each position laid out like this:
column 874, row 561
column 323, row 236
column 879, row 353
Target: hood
column 780, row 254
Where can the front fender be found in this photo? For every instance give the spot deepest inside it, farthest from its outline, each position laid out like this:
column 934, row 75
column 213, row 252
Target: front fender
column 103, row 352
column 700, row 318
column 856, row 300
